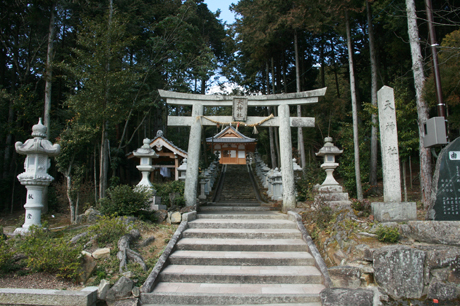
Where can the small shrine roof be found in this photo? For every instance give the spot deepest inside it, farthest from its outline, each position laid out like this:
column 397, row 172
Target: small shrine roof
column 167, row 143
column 159, row 142
column 230, row 135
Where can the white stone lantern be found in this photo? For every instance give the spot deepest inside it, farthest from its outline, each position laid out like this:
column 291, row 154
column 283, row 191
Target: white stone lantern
column 182, row 169
column 145, row 153
column 35, row 178
column 329, row 151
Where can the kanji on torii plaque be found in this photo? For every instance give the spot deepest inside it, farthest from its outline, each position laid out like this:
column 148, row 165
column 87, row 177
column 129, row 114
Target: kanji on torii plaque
column 283, row 121
column 240, row 109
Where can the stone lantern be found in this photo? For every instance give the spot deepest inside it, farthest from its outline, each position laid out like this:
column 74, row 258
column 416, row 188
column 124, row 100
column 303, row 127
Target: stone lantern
column 330, row 191
column 329, row 151
column 182, row 169
column 145, row 153
column 35, row 178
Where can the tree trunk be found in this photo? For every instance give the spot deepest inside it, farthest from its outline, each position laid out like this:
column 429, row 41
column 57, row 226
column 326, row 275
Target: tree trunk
column 275, row 131
column 104, row 158
column 422, row 108
column 49, row 73
column 299, row 107
column 270, row 129
column 335, row 70
column 359, row 190
column 404, row 180
column 103, row 162
column 374, row 132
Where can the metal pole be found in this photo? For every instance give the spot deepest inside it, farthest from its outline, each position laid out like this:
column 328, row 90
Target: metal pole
column 441, row 107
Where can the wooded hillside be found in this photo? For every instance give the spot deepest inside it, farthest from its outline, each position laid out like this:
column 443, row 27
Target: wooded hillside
column 92, row 68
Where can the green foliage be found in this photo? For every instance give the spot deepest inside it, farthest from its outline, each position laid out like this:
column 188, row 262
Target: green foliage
column 124, row 200
column 347, row 160
column 49, row 254
column 313, row 174
column 172, row 187
column 387, row 234
column 6, row 254
column 363, row 207
column 449, row 65
column 322, row 213
column 109, row 230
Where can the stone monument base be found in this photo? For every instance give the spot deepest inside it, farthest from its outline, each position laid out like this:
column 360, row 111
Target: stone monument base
column 333, row 196
column 155, row 204
column 394, row 211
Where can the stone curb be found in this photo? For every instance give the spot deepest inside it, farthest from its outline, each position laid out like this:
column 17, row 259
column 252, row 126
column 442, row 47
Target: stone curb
column 18, row 296
column 150, row 282
column 319, row 262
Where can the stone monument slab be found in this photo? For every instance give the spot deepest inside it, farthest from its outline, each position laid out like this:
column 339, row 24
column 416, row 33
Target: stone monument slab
column 445, row 202
column 391, row 209
column 389, row 145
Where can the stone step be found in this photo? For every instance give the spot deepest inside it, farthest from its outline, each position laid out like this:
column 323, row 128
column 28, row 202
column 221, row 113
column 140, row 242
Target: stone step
column 255, row 245
column 241, row 274
column 232, row 258
column 243, row 223
column 241, row 233
column 234, row 203
column 265, row 304
column 231, row 209
column 174, row 293
column 228, row 215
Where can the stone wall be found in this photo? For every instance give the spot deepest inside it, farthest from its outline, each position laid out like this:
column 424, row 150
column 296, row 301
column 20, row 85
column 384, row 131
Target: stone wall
column 422, row 268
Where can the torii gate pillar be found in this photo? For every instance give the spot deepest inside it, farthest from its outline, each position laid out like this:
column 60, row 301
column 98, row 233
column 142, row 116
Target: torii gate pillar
column 289, row 199
column 191, row 176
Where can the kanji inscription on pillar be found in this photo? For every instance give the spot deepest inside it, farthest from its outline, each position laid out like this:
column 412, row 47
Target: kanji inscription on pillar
column 240, row 109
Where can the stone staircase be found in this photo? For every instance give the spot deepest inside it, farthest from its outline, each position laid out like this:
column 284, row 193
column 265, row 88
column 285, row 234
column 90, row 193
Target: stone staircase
column 239, row 253
column 237, row 186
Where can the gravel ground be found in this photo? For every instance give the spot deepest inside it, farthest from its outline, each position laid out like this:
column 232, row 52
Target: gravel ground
column 38, row 281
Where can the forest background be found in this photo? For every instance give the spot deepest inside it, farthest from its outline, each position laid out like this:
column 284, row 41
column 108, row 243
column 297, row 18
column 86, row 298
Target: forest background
column 92, row 68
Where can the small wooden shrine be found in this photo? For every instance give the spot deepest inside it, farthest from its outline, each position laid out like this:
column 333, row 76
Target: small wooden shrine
column 231, row 146
column 169, row 156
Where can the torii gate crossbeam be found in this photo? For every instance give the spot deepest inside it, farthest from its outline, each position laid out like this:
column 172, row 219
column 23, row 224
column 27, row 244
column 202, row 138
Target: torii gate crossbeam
column 283, row 121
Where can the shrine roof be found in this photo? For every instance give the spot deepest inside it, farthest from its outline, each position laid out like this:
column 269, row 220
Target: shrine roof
column 230, row 134
column 159, row 142
column 156, row 143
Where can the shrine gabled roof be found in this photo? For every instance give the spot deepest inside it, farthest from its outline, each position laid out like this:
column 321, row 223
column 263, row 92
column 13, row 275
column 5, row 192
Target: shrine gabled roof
column 156, row 142
column 229, row 130
column 159, row 142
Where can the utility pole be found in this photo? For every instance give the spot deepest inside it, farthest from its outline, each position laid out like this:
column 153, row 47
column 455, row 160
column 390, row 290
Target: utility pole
column 441, row 106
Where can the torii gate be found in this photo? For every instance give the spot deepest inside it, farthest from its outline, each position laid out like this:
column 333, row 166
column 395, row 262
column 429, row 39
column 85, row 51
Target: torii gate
column 283, row 121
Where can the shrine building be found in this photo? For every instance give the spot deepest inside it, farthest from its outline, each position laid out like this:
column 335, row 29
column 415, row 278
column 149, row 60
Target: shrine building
column 169, row 157
column 231, row 146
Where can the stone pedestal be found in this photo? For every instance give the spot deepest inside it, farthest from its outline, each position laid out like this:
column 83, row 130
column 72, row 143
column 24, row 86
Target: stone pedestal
column 394, row 211
column 333, row 195
column 202, row 195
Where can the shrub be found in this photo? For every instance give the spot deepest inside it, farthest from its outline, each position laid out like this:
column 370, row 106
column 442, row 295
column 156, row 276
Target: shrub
column 48, row 254
column 387, row 234
column 6, row 254
column 363, row 207
column 313, row 174
column 124, row 200
column 109, row 230
column 164, row 190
